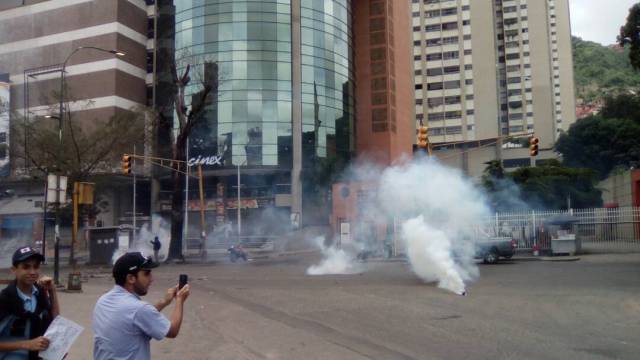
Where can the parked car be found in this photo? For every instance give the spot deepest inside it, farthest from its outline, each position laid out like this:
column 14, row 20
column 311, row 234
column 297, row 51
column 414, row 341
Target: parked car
column 490, row 250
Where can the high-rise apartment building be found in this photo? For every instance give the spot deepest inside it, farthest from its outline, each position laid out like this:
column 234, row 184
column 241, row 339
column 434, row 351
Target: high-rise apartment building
column 491, row 68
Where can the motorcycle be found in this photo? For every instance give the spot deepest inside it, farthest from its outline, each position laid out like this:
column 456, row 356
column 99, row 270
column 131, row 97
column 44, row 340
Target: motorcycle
column 237, row 252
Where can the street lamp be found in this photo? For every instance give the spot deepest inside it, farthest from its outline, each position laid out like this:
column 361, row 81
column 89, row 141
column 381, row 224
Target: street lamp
column 239, row 215
column 60, row 118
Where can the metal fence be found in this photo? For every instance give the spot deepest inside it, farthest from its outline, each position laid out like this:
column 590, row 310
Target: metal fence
column 599, row 230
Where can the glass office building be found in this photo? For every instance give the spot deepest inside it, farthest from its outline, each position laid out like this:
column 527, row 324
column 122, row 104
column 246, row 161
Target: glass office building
column 278, row 81
column 248, row 44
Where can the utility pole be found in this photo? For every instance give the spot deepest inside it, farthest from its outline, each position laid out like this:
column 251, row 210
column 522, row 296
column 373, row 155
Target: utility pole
column 134, row 195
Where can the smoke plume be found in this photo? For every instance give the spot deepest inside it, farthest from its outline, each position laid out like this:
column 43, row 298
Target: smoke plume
column 335, row 261
column 434, row 209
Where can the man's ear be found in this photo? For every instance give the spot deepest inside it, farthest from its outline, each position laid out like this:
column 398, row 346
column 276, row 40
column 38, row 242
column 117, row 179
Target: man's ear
column 131, row 279
column 13, row 270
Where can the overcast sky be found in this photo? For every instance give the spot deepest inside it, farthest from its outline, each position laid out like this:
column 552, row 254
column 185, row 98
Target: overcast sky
column 599, row 20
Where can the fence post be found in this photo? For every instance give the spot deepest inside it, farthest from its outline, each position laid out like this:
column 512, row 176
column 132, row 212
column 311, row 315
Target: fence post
column 533, row 224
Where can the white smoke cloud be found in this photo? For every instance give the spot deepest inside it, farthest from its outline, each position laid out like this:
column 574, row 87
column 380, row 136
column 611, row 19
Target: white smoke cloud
column 435, row 209
column 158, row 227
column 438, row 206
column 334, row 261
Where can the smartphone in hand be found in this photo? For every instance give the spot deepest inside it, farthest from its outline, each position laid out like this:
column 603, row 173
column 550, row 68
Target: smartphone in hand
column 182, row 281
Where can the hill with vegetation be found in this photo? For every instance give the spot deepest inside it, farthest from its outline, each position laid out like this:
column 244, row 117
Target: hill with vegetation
column 601, row 70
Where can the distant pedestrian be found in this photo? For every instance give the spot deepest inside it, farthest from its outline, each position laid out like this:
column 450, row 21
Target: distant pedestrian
column 157, row 245
column 27, row 307
column 123, row 324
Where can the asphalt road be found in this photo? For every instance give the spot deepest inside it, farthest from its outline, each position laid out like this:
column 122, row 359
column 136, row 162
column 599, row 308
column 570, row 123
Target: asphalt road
column 588, row 309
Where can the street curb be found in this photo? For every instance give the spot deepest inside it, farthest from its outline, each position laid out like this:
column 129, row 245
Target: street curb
column 560, row 258
column 546, row 258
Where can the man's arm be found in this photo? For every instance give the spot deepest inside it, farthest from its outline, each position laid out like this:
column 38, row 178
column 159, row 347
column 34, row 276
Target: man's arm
column 168, row 297
column 37, row 344
column 47, row 284
column 176, row 316
column 55, row 304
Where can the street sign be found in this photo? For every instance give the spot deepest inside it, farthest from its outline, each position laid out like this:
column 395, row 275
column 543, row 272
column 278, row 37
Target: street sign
column 56, row 189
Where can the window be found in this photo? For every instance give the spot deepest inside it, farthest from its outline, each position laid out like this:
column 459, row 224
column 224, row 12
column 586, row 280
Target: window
column 435, row 86
column 453, row 115
column 432, row 13
column 432, row 42
column 436, row 56
column 435, row 101
column 454, row 130
column 514, row 163
column 448, row 55
column 450, row 40
column 452, row 84
column 451, row 100
column 3, row 137
column 432, row 28
column 434, row 72
column 435, row 116
column 449, row 26
column 451, row 70
column 449, row 11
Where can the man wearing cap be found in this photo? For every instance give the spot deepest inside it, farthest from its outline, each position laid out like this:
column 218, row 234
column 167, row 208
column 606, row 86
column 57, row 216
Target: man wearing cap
column 27, row 307
column 123, row 324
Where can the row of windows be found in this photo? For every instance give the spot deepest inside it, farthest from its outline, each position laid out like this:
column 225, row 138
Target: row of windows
column 454, row 84
column 449, row 130
column 228, row 12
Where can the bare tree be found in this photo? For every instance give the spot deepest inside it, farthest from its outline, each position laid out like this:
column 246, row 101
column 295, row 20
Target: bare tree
column 89, row 146
column 187, row 117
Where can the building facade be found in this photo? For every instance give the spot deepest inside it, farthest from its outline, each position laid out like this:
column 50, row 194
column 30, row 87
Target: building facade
column 36, row 37
column 297, row 80
column 304, row 87
column 490, row 69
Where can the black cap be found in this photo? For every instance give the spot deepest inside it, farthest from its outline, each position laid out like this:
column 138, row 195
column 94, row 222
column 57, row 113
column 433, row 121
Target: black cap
column 24, row 253
column 131, row 263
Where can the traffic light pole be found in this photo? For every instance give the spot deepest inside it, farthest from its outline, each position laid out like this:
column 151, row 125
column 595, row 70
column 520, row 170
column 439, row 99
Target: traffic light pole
column 127, row 169
column 133, row 235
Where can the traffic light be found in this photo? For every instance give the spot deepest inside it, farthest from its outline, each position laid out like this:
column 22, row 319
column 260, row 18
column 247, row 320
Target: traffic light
column 423, row 137
column 126, row 164
column 533, row 146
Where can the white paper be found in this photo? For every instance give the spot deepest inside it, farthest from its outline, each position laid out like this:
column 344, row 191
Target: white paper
column 61, row 334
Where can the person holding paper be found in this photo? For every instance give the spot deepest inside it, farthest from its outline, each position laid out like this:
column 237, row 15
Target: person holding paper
column 27, row 307
column 123, row 324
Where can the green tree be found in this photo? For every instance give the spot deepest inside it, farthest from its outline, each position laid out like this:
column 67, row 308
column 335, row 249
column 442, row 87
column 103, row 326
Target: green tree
column 543, row 187
column 601, row 144
column 90, row 147
column 601, row 70
column 551, row 184
column 630, row 35
column 622, row 106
